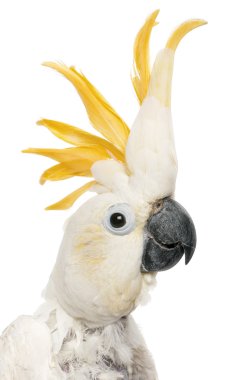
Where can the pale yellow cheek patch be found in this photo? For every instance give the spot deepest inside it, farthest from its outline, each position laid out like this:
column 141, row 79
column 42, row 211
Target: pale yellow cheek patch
column 88, row 254
column 88, row 236
column 93, row 261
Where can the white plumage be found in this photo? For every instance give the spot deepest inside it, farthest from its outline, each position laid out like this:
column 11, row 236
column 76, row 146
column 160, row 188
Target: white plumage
column 52, row 345
column 25, row 348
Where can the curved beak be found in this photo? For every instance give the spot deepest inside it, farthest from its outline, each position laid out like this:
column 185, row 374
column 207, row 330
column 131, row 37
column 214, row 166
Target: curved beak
column 169, row 234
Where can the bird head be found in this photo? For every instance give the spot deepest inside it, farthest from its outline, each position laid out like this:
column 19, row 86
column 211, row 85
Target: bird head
column 118, row 240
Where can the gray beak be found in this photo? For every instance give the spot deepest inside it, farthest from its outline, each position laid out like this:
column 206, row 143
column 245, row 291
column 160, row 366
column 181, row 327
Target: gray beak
column 169, row 234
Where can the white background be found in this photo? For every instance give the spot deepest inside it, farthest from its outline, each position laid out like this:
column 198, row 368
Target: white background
column 198, row 324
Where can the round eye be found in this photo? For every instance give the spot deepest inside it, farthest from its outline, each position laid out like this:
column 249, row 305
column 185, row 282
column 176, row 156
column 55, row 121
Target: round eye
column 119, row 219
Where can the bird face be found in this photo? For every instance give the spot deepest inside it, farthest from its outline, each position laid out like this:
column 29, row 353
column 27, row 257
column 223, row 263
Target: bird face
column 114, row 245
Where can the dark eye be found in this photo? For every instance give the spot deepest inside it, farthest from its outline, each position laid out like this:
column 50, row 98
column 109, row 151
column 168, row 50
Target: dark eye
column 119, row 219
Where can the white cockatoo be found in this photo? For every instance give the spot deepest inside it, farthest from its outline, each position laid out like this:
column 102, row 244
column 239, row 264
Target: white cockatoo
column 117, row 241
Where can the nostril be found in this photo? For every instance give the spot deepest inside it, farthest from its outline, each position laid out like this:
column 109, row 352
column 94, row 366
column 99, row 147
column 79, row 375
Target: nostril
column 157, row 206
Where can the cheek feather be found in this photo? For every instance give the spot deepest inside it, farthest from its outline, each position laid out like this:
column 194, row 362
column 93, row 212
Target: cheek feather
column 110, row 264
column 88, row 253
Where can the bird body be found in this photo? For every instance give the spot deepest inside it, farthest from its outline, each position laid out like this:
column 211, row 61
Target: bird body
column 116, row 242
column 52, row 345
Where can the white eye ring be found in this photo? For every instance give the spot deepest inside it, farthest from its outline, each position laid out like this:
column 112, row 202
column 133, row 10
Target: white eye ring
column 119, row 219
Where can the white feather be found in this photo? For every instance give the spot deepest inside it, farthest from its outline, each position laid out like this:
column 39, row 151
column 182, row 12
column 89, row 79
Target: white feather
column 151, row 155
column 25, row 351
column 51, row 345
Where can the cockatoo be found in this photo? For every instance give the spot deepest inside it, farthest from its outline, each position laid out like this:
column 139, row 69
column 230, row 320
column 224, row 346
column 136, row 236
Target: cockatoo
column 117, row 241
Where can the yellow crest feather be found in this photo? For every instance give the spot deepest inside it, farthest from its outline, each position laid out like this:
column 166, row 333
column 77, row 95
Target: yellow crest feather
column 141, row 66
column 69, row 200
column 70, row 154
column 67, row 170
column 102, row 116
column 181, row 31
column 78, row 137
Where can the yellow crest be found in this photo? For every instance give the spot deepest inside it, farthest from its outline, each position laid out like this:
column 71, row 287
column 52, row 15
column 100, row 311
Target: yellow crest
column 88, row 148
